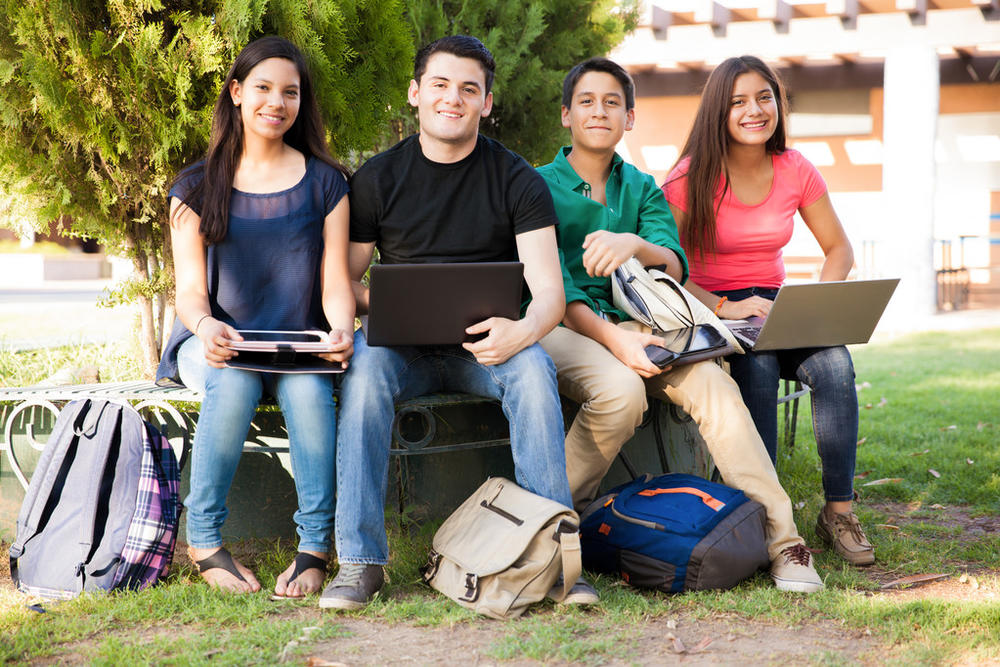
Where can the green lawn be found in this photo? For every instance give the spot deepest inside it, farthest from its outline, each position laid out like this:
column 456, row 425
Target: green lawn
column 929, row 402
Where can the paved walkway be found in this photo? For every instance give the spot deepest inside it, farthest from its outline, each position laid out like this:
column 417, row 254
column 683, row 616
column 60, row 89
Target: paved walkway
column 56, row 313
column 958, row 320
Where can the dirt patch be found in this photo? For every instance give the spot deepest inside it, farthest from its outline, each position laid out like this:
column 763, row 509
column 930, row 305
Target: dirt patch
column 971, row 527
column 656, row 642
column 719, row 640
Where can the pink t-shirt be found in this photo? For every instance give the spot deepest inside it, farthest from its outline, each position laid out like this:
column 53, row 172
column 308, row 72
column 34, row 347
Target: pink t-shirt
column 749, row 239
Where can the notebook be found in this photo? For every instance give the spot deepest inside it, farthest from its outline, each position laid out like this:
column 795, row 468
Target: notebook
column 817, row 315
column 433, row 304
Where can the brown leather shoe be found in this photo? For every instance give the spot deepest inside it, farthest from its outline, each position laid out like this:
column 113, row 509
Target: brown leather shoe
column 844, row 533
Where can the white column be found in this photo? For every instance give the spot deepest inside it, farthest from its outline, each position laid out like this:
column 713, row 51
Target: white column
column 909, row 130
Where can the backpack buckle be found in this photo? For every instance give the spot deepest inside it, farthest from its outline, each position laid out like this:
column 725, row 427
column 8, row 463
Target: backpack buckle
column 431, row 567
column 471, row 588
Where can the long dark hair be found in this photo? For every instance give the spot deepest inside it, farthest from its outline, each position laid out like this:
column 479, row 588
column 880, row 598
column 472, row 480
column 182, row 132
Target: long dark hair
column 213, row 192
column 708, row 145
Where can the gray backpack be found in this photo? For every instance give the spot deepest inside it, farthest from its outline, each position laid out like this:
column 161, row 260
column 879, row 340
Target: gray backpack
column 102, row 508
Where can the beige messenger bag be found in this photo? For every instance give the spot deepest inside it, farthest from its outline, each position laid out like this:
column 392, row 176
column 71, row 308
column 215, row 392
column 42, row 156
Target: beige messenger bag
column 503, row 549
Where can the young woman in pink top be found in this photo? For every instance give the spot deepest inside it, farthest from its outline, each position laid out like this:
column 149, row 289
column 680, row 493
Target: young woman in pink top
column 734, row 193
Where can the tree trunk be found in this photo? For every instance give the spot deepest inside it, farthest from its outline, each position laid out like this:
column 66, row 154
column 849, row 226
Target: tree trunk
column 147, row 333
column 168, row 312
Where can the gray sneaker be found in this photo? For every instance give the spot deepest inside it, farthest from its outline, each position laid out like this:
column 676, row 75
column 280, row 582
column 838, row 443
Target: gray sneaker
column 580, row 593
column 353, row 587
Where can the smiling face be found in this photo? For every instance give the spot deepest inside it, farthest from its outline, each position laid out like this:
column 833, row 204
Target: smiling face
column 753, row 110
column 268, row 98
column 597, row 117
column 450, row 99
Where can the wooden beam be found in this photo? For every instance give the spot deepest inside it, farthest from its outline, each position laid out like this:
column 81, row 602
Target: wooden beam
column 819, row 77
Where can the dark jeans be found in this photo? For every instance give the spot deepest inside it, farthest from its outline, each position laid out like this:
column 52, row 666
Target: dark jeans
column 829, row 373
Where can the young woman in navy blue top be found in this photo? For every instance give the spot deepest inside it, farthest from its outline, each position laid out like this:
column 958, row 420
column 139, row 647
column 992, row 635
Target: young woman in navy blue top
column 259, row 235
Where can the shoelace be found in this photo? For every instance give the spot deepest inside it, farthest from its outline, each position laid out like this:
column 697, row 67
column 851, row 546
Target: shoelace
column 797, row 554
column 350, row 575
column 849, row 522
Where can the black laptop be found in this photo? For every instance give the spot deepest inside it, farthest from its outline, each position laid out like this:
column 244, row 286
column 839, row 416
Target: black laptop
column 433, row 304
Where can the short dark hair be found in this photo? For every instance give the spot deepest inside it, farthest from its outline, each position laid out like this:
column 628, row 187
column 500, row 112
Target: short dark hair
column 599, row 65
column 462, row 46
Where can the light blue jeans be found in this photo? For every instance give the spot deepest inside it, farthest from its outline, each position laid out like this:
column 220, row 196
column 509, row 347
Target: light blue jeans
column 230, row 401
column 525, row 385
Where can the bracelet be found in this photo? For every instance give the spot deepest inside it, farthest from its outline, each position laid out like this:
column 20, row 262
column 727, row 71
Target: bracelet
column 202, row 319
column 721, row 301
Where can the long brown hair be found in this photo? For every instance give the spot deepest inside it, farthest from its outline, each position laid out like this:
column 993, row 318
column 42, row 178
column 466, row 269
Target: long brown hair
column 213, row 192
column 708, row 145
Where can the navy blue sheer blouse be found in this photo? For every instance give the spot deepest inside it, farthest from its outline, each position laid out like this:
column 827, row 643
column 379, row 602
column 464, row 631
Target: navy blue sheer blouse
column 265, row 274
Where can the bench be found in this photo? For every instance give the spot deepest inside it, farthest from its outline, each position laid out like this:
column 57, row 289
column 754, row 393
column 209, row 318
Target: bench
column 433, row 437
column 466, row 431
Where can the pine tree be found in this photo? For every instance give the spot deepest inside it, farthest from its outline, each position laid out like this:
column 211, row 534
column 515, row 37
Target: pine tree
column 534, row 43
column 103, row 101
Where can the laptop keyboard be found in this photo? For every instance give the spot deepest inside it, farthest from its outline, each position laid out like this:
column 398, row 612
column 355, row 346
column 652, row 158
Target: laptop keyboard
column 750, row 333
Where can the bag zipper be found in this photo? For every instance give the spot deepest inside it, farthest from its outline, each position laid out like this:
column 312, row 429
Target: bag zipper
column 507, row 515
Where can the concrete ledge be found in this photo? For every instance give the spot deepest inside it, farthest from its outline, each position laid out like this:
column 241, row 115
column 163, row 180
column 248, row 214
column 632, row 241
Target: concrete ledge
column 31, row 268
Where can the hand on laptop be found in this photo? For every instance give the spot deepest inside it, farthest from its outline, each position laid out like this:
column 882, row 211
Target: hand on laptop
column 216, row 336
column 630, row 348
column 341, row 347
column 505, row 339
column 740, row 310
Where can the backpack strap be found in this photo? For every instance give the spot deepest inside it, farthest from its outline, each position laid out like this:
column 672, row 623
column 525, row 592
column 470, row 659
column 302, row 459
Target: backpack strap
column 70, row 421
column 100, row 431
column 572, row 567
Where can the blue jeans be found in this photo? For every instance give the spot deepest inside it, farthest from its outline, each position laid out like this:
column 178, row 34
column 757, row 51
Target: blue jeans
column 229, row 403
column 379, row 376
column 829, row 373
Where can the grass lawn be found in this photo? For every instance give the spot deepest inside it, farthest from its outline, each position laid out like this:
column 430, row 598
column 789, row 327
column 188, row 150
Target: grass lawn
column 930, row 425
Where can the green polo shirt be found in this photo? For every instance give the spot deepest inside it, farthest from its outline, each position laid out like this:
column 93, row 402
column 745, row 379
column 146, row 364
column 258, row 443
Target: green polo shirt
column 635, row 205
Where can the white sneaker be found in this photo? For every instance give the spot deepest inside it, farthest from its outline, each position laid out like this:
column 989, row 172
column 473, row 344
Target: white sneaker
column 793, row 571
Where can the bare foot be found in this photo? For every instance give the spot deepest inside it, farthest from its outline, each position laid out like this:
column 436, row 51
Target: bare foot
column 219, row 577
column 308, row 581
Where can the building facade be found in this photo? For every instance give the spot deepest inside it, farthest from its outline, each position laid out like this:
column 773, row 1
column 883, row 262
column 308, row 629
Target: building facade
column 897, row 102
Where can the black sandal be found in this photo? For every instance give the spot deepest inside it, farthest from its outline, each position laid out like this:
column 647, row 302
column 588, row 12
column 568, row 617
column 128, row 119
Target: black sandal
column 303, row 561
column 221, row 559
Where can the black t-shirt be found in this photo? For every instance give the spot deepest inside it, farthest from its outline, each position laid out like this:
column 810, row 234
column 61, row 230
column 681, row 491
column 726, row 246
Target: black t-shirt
column 418, row 211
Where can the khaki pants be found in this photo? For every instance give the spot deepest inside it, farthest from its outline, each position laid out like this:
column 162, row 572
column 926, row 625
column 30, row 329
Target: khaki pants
column 612, row 400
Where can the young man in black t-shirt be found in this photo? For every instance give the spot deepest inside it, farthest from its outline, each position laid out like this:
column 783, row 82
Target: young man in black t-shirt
column 447, row 194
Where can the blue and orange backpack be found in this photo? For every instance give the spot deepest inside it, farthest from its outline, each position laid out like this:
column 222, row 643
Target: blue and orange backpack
column 675, row 533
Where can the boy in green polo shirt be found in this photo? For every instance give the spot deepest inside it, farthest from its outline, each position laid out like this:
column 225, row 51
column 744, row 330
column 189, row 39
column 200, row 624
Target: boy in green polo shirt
column 609, row 211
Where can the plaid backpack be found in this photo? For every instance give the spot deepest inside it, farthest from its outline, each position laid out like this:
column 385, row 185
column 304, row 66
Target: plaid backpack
column 102, row 508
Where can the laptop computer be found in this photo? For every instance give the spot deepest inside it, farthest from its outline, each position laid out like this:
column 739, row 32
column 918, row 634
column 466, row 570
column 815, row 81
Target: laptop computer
column 433, row 304
column 817, row 315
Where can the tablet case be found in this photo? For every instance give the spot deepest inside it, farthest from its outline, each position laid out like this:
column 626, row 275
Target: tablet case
column 280, row 355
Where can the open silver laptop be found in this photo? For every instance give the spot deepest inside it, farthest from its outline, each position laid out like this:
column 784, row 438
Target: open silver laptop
column 818, row 315
column 433, row 304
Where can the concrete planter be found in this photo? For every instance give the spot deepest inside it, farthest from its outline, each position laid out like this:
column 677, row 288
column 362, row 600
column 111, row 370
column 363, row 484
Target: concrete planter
column 29, row 268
